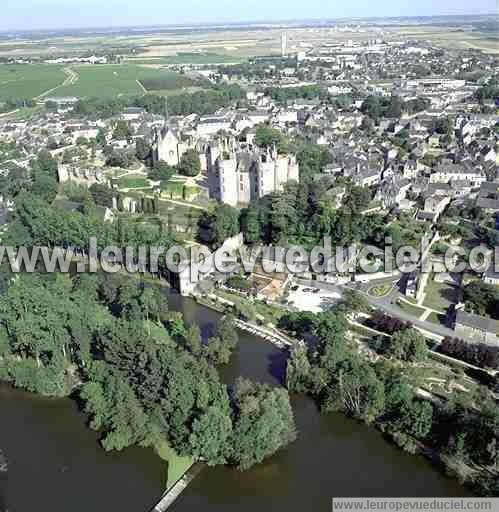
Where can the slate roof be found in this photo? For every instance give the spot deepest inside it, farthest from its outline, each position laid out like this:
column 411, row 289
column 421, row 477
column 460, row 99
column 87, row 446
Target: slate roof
column 480, row 323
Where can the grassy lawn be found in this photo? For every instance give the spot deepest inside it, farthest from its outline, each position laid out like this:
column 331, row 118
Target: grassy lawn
column 436, row 378
column 434, row 318
column 440, row 296
column 179, row 214
column 26, row 81
column 133, row 181
column 177, row 465
column 271, row 313
column 121, row 79
column 409, row 308
column 115, row 173
column 380, row 291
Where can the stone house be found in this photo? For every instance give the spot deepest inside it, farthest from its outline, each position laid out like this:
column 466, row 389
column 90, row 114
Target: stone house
column 477, row 328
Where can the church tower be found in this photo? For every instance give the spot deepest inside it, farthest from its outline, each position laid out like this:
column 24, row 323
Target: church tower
column 167, row 142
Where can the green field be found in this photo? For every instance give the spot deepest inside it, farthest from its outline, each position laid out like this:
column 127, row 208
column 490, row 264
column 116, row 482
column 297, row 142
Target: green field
column 120, row 79
column 410, row 309
column 26, row 81
column 440, row 296
column 453, row 39
column 434, row 318
column 133, row 181
column 190, row 58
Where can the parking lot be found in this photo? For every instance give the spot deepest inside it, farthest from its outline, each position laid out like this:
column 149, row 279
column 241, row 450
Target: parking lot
column 306, row 298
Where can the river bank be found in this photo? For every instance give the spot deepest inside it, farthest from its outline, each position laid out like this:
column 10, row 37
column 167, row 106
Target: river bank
column 48, row 444
column 333, row 456
column 55, row 462
column 411, row 445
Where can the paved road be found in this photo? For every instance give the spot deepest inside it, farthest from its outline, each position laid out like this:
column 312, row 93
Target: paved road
column 394, row 310
column 385, row 304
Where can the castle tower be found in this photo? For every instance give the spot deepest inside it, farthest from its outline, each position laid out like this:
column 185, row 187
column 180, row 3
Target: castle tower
column 228, row 180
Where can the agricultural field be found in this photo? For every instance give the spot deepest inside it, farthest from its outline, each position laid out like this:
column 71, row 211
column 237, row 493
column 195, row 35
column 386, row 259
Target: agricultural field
column 453, row 39
column 117, row 80
column 27, row 81
column 192, row 58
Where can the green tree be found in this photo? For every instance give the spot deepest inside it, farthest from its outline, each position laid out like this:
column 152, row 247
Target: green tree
column 210, row 436
column 482, row 299
column 220, row 348
column 101, row 139
column 298, row 370
column 122, row 131
column 267, row 137
column 118, row 158
column 45, row 187
column 359, row 198
column 161, row 171
column 190, row 164
column 250, row 224
column 395, row 107
column 407, row 345
column 263, row 423
column 102, row 195
column 416, row 418
column 115, row 411
column 355, row 389
column 219, row 225
column 142, row 150
column 193, row 341
column 44, row 164
column 353, row 302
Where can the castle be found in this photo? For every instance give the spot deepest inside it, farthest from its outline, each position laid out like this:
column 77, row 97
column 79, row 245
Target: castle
column 240, row 173
column 86, row 176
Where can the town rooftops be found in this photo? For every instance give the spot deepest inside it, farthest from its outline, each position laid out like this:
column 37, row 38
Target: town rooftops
column 489, row 187
column 488, row 204
column 492, row 275
column 134, row 110
column 63, row 99
column 477, row 322
column 488, row 197
column 451, row 168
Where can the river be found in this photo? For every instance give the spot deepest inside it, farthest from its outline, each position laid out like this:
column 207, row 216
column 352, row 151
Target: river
column 55, row 462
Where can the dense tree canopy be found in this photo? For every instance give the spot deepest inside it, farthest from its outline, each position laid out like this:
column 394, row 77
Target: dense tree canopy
column 482, row 299
column 218, row 225
column 269, row 138
column 304, row 214
column 144, row 374
column 190, row 164
column 102, row 195
column 161, row 171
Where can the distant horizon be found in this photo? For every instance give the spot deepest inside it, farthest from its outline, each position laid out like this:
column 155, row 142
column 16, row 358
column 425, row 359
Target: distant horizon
column 122, row 14
column 244, row 22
